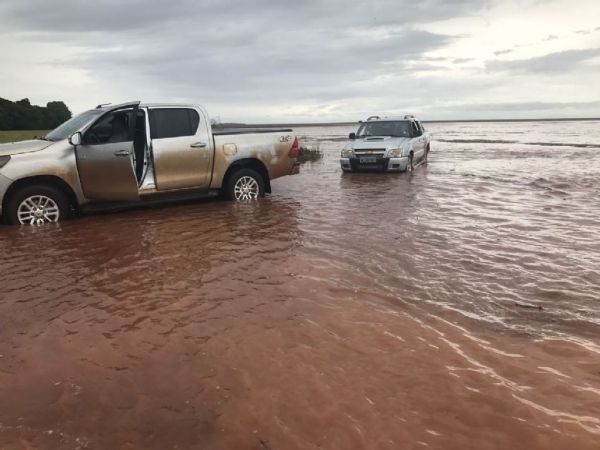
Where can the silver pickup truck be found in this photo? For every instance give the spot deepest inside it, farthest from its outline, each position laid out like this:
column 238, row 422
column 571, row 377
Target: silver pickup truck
column 136, row 152
column 386, row 144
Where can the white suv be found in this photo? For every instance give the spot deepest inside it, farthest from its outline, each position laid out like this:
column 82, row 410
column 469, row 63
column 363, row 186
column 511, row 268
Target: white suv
column 387, row 144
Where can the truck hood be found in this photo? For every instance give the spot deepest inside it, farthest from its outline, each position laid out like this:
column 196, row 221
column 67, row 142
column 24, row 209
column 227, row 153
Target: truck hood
column 386, row 142
column 15, row 148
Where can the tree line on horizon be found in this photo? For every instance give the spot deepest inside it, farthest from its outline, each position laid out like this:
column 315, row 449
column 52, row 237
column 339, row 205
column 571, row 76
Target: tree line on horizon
column 22, row 115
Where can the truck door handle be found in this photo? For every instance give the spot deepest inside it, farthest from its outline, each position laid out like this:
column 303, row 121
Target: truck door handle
column 198, row 145
column 122, row 153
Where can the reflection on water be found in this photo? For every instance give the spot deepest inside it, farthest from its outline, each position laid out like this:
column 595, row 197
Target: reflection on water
column 309, row 152
column 454, row 307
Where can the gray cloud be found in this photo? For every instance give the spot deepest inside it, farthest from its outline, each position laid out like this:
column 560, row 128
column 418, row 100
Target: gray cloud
column 228, row 48
column 320, row 68
column 260, row 55
column 462, row 60
column 116, row 15
column 531, row 106
column 558, row 62
column 516, row 110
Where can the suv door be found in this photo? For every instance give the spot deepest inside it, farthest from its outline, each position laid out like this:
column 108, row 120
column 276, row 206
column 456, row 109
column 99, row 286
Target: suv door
column 418, row 140
column 181, row 148
column 105, row 157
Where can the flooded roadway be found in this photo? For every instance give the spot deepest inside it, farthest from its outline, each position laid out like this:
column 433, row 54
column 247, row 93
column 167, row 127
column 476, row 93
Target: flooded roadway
column 456, row 307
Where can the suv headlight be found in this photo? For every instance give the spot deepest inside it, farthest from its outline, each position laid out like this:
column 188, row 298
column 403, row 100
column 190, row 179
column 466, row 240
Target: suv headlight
column 4, row 160
column 347, row 153
column 394, row 153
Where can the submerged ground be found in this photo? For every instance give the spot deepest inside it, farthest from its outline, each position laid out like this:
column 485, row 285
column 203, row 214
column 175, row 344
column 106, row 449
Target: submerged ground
column 452, row 308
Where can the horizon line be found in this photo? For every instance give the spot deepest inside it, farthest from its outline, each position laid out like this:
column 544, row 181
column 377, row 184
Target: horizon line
column 322, row 124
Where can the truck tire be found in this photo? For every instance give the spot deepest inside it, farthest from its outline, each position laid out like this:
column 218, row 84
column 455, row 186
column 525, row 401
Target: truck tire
column 36, row 205
column 245, row 184
column 410, row 167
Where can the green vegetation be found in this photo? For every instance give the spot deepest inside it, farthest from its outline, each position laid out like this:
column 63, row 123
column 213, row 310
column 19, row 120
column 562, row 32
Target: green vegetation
column 22, row 115
column 20, row 135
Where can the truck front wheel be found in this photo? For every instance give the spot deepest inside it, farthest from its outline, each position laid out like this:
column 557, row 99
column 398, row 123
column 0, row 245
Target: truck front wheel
column 245, row 184
column 36, row 205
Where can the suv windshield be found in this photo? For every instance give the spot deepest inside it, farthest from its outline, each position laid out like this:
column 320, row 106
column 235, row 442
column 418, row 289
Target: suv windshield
column 72, row 125
column 381, row 128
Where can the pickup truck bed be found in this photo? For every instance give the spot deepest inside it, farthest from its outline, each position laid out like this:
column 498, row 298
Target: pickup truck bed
column 224, row 131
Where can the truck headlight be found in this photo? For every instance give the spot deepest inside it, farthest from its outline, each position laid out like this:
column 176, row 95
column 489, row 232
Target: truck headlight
column 394, row 153
column 4, row 160
column 347, row 153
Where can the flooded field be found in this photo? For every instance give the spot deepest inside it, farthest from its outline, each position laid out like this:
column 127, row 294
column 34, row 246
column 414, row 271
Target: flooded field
column 455, row 307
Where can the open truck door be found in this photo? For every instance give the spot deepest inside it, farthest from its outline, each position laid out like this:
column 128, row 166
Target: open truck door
column 105, row 156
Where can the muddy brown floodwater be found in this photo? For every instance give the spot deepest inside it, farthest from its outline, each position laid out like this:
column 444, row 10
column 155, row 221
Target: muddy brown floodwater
column 456, row 307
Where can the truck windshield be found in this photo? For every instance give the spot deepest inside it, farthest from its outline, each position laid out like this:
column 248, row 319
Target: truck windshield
column 383, row 128
column 72, row 125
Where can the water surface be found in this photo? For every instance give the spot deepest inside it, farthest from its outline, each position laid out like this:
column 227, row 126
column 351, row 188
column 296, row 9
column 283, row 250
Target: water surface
column 449, row 308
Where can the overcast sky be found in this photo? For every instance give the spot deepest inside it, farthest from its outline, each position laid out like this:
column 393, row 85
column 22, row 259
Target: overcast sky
column 312, row 60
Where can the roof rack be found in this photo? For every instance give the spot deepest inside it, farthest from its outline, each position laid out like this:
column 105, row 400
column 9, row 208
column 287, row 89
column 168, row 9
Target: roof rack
column 409, row 116
column 373, row 118
column 101, row 105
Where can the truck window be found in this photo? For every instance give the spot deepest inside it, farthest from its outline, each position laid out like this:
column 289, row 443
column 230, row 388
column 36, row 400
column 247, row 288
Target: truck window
column 173, row 122
column 110, row 128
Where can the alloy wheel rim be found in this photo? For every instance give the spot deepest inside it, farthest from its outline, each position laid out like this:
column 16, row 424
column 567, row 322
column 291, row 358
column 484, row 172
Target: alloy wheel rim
column 246, row 188
column 38, row 210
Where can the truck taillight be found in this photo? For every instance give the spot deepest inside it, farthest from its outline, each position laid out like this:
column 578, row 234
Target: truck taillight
column 295, row 150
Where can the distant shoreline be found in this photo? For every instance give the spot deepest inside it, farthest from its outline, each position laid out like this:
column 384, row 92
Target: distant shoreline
column 341, row 124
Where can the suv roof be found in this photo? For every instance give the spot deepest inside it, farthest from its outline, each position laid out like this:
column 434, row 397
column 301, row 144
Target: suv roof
column 389, row 118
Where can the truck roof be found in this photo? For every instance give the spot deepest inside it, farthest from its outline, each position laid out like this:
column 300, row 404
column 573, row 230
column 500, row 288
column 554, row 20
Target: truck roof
column 171, row 105
column 108, row 106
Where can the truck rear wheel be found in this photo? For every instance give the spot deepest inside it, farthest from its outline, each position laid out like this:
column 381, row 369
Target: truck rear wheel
column 36, row 205
column 245, row 184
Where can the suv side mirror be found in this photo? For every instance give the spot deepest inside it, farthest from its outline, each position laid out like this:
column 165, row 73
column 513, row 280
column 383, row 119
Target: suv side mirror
column 352, row 136
column 75, row 138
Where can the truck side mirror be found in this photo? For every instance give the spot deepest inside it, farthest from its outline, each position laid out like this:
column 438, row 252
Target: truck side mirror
column 75, row 138
column 352, row 136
